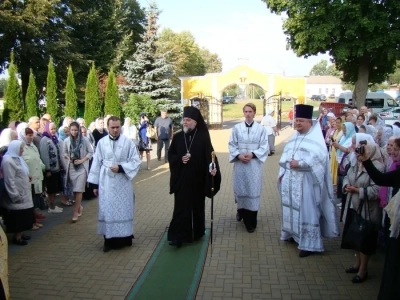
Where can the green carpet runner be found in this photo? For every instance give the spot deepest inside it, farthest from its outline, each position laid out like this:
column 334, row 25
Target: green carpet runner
column 172, row 273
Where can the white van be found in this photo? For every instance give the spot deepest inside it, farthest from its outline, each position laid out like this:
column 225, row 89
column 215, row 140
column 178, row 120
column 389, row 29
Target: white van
column 374, row 100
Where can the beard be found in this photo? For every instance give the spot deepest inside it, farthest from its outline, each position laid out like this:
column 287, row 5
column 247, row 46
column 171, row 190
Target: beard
column 187, row 129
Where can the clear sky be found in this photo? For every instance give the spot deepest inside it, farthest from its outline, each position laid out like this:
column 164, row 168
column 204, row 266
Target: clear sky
column 236, row 29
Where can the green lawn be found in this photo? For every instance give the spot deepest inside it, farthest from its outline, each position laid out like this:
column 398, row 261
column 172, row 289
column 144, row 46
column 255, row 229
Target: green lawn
column 234, row 111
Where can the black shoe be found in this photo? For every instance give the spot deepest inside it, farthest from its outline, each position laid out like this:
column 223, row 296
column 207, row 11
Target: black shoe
column 238, row 217
column 351, row 270
column 20, row 242
column 175, row 243
column 250, row 230
column 25, row 237
column 358, row 279
column 290, row 240
column 304, row 253
column 106, row 249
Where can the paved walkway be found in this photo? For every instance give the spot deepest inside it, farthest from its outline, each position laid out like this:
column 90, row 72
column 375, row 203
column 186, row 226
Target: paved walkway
column 65, row 261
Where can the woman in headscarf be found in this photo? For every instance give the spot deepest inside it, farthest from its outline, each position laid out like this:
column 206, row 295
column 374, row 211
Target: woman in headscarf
column 269, row 124
column 130, row 131
column 362, row 194
column 61, row 131
column 31, row 157
column 13, row 125
column 390, row 281
column 18, row 205
column 343, row 145
column 99, row 132
column 382, row 139
column 50, row 153
column 6, row 136
column 371, row 130
column 77, row 153
column 334, row 136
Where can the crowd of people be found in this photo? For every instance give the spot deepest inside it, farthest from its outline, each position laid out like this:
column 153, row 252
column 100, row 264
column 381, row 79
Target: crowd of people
column 39, row 161
column 350, row 161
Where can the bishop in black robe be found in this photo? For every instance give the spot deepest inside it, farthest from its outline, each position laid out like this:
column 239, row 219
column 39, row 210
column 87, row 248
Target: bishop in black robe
column 190, row 182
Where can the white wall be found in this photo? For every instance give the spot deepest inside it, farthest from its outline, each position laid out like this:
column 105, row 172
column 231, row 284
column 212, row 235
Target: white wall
column 326, row 89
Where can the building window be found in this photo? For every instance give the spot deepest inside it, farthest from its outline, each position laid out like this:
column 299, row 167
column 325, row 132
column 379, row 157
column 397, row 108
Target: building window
column 308, row 92
column 333, row 91
column 326, row 91
column 320, row 91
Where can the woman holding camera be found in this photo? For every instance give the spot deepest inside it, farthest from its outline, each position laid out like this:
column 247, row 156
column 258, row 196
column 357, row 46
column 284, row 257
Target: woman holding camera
column 145, row 141
column 362, row 193
column 77, row 153
column 390, row 282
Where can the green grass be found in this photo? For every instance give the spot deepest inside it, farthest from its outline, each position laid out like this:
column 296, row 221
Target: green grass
column 234, row 111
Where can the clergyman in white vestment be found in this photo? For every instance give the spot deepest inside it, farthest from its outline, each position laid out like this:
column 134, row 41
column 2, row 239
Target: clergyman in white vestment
column 115, row 164
column 248, row 150
column 305, row 185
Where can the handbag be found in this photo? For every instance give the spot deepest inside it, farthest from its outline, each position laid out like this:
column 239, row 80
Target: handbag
column 150, row 132
column 40, row 202
column 359, row 234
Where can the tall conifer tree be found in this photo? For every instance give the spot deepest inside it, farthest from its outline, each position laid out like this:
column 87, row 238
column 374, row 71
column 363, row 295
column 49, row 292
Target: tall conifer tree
column 71, row 99
column 31, row 99
column 149, row 72
column 92, row 97
column 51, row 93
column 112, row 104
column 14, row 109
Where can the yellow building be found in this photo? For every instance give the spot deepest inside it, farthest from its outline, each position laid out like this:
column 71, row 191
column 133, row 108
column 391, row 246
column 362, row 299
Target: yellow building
column 212, row 85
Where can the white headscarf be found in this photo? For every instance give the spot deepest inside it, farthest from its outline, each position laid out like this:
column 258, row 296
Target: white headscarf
column 396, row 131
column 269, row 111
column 360, row 136
column 21, row 131
column 13, row 151
column 6, row 137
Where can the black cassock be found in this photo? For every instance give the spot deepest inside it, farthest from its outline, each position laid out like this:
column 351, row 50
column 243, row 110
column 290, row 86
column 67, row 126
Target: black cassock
column 190, row 183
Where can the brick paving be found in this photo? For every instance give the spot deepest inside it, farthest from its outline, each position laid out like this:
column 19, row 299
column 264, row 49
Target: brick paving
column 65, row 261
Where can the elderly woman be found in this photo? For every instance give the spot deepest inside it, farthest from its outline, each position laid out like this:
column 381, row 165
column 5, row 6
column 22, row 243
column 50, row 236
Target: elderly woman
column 62, row 134
column 130, row 131
column 50, row 153
column 269, row 124
column 35, row 165
column 390, row 281
column 81, row 122
column 77, row 153
column 6, row 136
column 362, row 194
column 18, row 205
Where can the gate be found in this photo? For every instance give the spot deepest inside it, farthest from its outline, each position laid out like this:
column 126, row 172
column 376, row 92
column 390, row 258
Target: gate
column 275, row 102
column 211, row 110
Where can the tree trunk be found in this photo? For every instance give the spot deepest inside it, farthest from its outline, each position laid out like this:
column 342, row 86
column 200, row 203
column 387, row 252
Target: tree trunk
column 361, row 85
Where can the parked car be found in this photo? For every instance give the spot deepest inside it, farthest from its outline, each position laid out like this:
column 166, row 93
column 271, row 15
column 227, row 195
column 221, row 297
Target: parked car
column 390, row 113
column 332, row 96
column 322, row 97
column 316, row 97
column 228, row 100
column 397, row 99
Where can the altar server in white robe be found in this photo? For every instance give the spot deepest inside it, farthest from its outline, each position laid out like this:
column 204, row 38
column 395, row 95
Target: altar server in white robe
column 305, row 184
column 248, row 150
column 115, row 164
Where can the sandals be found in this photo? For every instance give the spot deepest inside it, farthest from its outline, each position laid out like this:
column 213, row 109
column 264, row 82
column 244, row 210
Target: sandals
column 68, row 203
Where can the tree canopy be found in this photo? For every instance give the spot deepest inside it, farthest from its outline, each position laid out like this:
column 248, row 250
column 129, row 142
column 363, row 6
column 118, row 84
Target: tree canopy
column 322, row 69
column 72, row 32
column 363, row 37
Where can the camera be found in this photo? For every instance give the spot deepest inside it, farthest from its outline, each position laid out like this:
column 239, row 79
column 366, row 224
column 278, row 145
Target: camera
column 360, row 150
